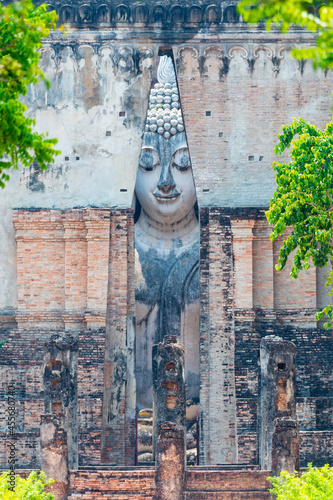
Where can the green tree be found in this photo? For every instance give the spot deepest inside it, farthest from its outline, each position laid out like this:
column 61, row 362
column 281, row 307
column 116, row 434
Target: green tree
column 313, row 484
column 22, row 28
column 316, row 16
column 31, row 488
column 303, row 199
column 304, row 196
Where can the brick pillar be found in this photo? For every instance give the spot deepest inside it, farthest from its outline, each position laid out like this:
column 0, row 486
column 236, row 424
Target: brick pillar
column 278, row 443
column 218, row 444
column 243, row 263
column 54, row 454
column 169, row 418
column 75, row 269
column 170, row 462
column 97, row 223
column 263, row 267
column 118, row 427
column 285, row 445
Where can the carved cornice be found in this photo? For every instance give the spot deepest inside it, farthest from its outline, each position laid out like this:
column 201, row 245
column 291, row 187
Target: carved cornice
column 159, row 13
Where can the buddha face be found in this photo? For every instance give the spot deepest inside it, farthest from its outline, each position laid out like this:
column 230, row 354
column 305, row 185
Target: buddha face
column 164, row 185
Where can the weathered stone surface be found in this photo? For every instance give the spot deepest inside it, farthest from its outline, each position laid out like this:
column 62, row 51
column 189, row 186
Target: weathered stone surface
column 277, row 425
column 170, row 462
column 285, row 445
column 237, row 84
column 169, row 384
column 54, row 461
column 217, row 340
column 118, row 426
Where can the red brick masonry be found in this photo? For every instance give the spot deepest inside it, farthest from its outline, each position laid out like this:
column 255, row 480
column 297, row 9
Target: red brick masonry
column 139, row 483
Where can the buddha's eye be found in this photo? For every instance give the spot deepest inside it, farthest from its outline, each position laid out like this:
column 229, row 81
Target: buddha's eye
column 149, row 159
column 181, row 160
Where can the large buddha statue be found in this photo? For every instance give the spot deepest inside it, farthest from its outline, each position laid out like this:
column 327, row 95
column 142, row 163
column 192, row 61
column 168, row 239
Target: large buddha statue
column 166, row 238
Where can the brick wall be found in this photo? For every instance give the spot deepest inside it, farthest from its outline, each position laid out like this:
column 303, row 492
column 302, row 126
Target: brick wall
column 235, row 96
column 62, row 262
column 218, row 439
column 118, row 434
column 251, row 254
column 139, row 484
column 90, row 378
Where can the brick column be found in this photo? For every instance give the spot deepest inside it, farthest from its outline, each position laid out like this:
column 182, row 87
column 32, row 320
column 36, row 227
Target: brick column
column 278, row 443
column 75, row 268
column 169, row 399
column 243, row 263
column 169, row 418
column 170, row 462
column 97, row 223
column 263, row 267
column 118, row 427
column 218, row 443
column 54, row 454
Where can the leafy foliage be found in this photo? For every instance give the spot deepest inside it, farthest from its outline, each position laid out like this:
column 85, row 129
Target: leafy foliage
column 31, row 488
column 314, row 484
column 22, row 27
column 311, row 14
column 304, row 198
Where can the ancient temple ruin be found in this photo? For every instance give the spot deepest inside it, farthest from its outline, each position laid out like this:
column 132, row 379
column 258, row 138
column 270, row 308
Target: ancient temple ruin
column 146, row 242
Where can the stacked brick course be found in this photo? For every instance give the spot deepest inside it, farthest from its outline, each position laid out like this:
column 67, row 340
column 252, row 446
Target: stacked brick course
column 217, row 381
column 62, row 259
column 118, row 441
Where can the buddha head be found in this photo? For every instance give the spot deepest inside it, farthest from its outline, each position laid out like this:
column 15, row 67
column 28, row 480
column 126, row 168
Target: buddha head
column 164, row 185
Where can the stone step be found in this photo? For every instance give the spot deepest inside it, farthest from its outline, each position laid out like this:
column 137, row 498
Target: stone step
column 227, row 495
column 99, row 467
column 113, row 496
column 138, row 483
column 239, row 466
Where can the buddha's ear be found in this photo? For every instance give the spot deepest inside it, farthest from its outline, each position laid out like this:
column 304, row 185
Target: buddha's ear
column 136, row 207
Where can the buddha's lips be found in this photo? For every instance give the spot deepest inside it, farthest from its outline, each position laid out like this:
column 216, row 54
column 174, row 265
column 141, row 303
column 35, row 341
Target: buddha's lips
column 165, row 198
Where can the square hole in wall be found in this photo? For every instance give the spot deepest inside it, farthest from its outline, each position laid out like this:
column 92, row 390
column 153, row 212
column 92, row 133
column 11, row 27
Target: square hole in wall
column 121, row 113
column 56, row 406
column 251, row 158
column 220, row 134
column 77, row 158
column 208, row 113
column 66, row 158
column 55, row 365
column 123, row 190
column 281, row 366
column 108, row 133
column 205, row 190
column 261, row 158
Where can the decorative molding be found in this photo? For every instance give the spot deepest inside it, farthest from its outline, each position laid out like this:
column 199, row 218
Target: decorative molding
column 155, row 12
column 238, row 48
column 264, row 48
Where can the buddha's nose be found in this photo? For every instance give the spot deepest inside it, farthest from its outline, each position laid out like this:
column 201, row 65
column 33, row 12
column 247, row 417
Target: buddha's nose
column 166, row 181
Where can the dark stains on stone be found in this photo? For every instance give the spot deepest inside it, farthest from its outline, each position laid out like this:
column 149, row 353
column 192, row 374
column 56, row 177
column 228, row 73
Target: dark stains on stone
column 225, row 68
column 201, row 63
column 60, row 385
column 301, row 66
column 251, row 61
column 276, row 65
column 34, row 182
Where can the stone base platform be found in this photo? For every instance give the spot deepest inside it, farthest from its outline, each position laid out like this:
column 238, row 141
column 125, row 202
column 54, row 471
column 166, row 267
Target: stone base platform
column 138, row 483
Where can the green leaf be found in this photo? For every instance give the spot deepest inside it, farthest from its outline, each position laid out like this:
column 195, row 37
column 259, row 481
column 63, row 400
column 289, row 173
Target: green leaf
column 22, row 28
